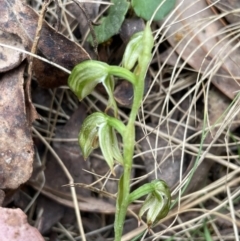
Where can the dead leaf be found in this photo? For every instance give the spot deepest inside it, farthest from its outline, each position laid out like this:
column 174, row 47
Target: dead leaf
column 100, row 168
column 217, row 105
column 89, row 204
column 10, row 58
column 70, row 154
column 123, row 93
column 201, row 42
column 230, row 7
column 20, row 19
column 91, row 10
column 51, row 213
column 14, row 226
column 167, row 163
column 16, row 147
column 129, row 27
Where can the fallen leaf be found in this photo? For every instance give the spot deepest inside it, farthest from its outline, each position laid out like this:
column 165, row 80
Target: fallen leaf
column 129, row 27
column 202, row 43
column 16, row 146
column 20, row 19
column 91, row 9
column 10, row 58
column 123, row 93
column 217, row 103
column 100, row 168
column 89, row 204
column 51, row 213
column 69, row 153
column 14, row 226
column 168, row 160
column 229, row 7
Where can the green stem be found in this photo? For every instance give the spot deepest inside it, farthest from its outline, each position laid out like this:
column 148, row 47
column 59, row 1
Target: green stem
column 122, row 73
column 116, row 124
column 129, row 135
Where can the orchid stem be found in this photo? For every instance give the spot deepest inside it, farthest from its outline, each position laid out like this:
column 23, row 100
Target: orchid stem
column 129, row 135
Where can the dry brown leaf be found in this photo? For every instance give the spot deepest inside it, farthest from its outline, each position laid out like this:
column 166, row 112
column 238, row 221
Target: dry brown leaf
column 14, row 226
column 51, row 213
column 91, row 10
column 10, row 58
column 19, row 19
column 199, row 41
column 71, row 156
column 100, row 168
column 89, row 204
column 123, row 92
column 228, row 6
column 129, row 27
column 217, row 105
column 167, row 163
column 16, row 146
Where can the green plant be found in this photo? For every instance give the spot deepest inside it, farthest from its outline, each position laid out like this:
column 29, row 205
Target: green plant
column 145, row 9
column 112, row 22
column 99, row 129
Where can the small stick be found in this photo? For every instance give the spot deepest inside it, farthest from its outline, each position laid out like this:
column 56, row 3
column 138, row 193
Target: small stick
column 32, row 114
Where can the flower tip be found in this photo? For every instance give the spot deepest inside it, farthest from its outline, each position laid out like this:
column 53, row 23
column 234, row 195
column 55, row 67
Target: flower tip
column 85, row 157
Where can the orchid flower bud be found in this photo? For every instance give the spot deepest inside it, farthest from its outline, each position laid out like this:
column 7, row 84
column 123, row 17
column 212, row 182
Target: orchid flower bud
column 97, row 131
column 133, row 51
column 86, row 75
column 140, row 44
column 157, row 203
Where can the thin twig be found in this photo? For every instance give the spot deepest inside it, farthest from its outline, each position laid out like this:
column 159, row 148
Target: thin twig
column 32, row 113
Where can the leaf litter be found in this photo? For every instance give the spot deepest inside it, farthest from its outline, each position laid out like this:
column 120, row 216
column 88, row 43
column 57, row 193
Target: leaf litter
column 172, row 119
